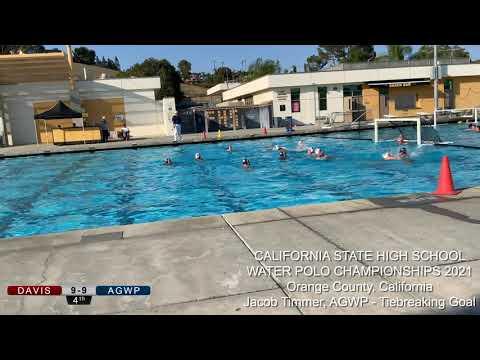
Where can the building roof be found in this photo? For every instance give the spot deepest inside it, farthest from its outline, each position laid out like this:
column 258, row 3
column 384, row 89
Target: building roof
column 93, row 72
column 24, row 68
column 347, row 77
column 219, row 88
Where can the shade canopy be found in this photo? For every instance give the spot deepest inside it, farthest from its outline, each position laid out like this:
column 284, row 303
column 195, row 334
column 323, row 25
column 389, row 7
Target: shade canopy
column 59, row 111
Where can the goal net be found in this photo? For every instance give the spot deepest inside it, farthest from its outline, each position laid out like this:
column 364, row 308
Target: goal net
column 412, row 130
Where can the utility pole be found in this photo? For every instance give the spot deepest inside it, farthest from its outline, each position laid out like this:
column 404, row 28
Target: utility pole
column 435, row 86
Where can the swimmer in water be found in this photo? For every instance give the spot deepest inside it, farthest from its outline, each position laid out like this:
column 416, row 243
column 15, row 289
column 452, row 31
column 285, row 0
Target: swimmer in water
column 401, row 139
column 282, row 155
column 276, row 148
column 310, row 151
column 229, row 148
column 402, row 154
column 246, row 163
column 198, row 156
column 168, row 161
column 389, row 156
column 320, row 155
column 301, row 145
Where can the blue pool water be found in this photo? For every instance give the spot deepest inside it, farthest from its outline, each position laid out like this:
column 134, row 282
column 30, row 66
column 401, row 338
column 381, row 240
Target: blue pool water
column 78, row 191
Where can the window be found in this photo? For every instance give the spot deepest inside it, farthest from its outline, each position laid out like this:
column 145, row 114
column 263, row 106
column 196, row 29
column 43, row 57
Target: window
column 352, row 90
column 448, row 84
column 322, row 98
column 295, row 99
column 249, row 100
column 405, row 102
column 282, row 107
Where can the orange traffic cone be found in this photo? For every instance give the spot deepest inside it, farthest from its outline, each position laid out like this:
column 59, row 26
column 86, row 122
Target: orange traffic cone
column 445, row 182
column 264, row 131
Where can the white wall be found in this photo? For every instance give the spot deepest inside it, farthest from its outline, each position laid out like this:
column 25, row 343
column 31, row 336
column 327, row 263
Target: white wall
column 308, row 104
column 221, row 87
column 168, row 110
column 18, row 103
column 144, row 116
column 263, row 97
column 334, row 101
column 345, row 77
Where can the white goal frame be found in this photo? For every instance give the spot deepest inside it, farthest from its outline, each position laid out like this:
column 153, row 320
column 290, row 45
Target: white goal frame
column 392, row 119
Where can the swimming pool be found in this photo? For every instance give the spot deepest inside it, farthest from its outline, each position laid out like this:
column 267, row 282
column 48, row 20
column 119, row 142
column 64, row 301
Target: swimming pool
column 87, row 190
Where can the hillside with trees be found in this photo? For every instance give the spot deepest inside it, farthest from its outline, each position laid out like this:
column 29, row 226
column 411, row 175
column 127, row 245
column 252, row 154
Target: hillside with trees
column 170, row 78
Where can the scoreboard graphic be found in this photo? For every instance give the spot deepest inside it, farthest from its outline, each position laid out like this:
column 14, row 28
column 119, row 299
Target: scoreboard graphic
column 79, row 294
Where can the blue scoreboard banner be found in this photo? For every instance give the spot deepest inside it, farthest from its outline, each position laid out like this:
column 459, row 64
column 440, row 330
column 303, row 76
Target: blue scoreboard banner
column 122, row 290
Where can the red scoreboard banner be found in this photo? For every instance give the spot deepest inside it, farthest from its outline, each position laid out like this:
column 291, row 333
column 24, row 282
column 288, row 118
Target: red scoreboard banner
column 44, row 290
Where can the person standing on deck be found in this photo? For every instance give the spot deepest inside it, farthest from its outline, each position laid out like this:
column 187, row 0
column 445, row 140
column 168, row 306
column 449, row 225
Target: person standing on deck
column 177, row 127
column 104, row 129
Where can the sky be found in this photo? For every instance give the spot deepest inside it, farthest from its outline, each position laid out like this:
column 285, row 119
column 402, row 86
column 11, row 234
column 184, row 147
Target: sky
column 202, row 57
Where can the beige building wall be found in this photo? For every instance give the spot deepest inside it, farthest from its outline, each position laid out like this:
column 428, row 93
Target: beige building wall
column 371, row 100
column 424, row 96
column 467, row 91
column 110, row 108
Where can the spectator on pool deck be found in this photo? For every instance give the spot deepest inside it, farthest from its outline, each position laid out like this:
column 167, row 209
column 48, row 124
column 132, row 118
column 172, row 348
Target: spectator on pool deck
column 104, row 129
column 125, row 132
column 177, row 127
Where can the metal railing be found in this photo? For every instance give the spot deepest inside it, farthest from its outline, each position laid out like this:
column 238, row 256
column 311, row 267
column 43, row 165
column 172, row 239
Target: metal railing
column 466, row 113
column 396, row 64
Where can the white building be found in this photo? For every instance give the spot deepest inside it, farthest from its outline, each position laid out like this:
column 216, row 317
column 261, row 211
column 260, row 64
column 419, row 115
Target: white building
column 32, row 83
column 362, row 90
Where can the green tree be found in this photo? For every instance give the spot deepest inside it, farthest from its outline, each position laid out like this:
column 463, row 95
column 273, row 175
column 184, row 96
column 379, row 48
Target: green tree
column 398, row 52
column 169, row 77
column 185, row 68
column 328, row 55
column 54, row 50
column 443, row 51
column 117, row 64
column 222, row 74
column 382, row 57
column 84, row 55
column 262, row 67
column 110, row 64
column 27, row 49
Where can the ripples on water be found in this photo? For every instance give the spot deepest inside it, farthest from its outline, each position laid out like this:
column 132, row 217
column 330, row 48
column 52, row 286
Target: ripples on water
column 74, row 191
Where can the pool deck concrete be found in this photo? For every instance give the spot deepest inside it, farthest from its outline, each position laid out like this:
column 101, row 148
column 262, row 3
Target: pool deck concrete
column 50, row 149
column 199, row 265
